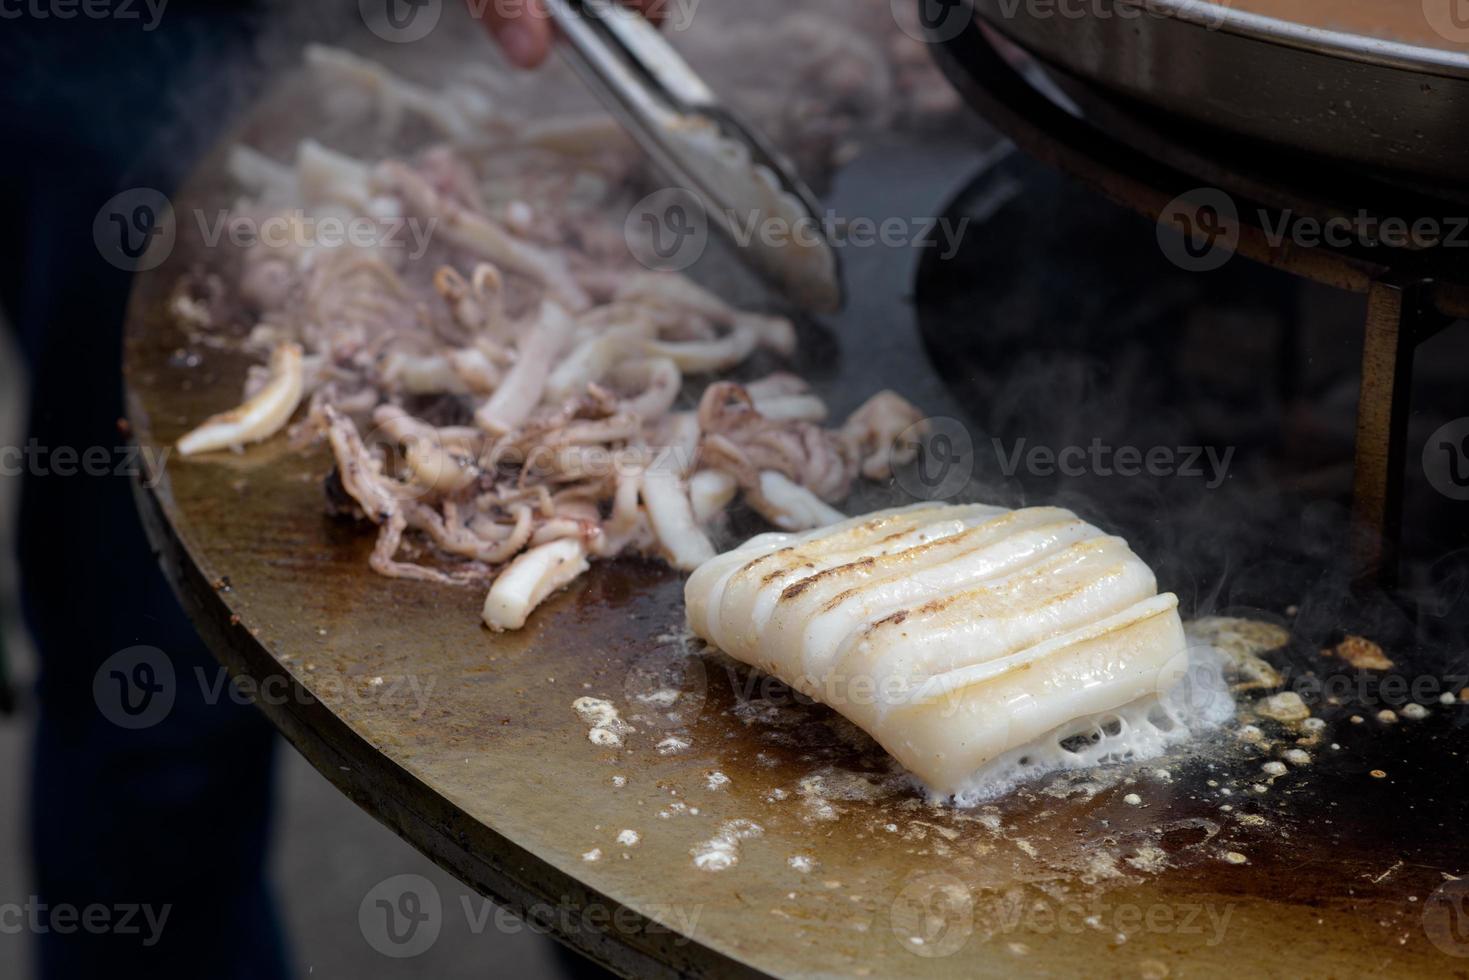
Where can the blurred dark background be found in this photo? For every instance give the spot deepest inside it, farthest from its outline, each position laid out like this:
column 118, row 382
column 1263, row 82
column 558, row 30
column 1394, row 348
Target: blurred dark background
column 265, row 865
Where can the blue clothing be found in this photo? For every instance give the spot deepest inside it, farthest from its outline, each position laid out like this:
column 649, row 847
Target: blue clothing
column 175, row 814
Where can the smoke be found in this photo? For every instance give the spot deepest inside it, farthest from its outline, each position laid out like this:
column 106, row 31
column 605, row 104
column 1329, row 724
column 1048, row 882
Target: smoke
column 1064, row 328
column 1059, row 327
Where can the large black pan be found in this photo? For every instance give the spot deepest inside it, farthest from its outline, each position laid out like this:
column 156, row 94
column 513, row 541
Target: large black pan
column 1397, row 103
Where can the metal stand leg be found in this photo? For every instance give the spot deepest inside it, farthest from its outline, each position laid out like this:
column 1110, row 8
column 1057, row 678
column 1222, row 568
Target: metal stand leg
column 1382, row 429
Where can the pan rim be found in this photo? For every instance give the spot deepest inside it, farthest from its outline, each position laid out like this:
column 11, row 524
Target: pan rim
column 1328, row 42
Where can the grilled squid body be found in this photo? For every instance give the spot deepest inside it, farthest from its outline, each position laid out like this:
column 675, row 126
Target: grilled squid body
column 954, row 635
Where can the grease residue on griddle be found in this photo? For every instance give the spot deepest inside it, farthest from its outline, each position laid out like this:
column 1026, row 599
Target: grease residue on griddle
column 605, row 725
column 722, row 851
column 1206, row 818
column 673, row 744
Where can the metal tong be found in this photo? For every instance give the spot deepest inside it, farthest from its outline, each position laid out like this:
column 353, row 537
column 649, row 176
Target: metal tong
column 660, row 100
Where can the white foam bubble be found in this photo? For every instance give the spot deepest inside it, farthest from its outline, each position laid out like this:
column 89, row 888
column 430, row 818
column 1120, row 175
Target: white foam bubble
column 673, row 744
column 607, row 728
column 1144, row 729
column 722, row 851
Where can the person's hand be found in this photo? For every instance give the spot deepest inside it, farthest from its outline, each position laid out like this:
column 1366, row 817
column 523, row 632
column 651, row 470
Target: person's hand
column 523, row 29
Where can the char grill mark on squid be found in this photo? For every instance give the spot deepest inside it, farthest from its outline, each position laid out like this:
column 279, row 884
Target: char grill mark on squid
column 951, row 619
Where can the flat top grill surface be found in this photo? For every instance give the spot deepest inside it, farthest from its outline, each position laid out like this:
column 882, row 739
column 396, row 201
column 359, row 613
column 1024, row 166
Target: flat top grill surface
column 467, row 744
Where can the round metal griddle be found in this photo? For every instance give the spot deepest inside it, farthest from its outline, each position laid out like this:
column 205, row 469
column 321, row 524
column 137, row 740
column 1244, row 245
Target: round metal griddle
column 466, row 743
column 1385, row 85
